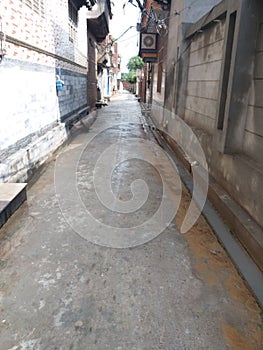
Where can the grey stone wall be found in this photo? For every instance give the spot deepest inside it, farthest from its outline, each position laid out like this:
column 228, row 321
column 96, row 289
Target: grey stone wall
column 21, row 164
column 73, row 97
column 205, row 62
column 194, row 10
column 233, row 150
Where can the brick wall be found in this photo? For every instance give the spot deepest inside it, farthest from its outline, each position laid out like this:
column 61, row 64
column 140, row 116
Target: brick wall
column 73, row 97
column 128, row 86
column 36, row 47
column 20, row 22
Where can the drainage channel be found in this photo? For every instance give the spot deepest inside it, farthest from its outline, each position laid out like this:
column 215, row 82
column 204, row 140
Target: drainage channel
column 246, row 266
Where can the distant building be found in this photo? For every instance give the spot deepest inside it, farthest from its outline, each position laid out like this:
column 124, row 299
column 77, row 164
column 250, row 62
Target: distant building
column 108, row 67
column 98, row 47
column 153, row 52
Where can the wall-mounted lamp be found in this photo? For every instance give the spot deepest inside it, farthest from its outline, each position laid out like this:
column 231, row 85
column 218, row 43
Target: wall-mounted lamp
column 161, row 28
column 2, row 41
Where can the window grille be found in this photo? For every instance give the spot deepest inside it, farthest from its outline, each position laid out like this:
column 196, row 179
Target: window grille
column 73, row 21
column 38, row 6
column 73, row 13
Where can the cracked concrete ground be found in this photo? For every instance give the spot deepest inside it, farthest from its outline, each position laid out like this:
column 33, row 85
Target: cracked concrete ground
column 59, row 290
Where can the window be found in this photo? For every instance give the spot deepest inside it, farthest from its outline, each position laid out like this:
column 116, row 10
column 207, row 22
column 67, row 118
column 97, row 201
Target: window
column 73, row 21
column 37, row 6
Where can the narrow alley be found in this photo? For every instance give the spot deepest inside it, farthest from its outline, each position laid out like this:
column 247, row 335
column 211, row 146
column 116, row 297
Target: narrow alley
column 90, row 262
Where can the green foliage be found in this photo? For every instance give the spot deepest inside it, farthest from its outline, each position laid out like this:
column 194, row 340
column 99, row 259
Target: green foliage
column 135, row 63
column 129, row 77
column 123, row 76
column 132, row 77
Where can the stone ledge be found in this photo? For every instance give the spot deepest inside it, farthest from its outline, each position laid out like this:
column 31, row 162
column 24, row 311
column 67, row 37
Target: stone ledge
column 21, row 164
column 12, row 195
column 77, row 116
column 242, row 226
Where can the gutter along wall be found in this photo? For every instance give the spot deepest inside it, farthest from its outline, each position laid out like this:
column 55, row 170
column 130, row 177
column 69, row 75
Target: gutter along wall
column 213, row 82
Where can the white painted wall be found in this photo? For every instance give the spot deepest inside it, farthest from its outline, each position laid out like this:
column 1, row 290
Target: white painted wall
column 28, row 102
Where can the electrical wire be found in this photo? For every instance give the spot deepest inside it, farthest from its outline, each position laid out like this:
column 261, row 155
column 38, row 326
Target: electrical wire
column 130, row 27
column 153, row 18
column 131, row 37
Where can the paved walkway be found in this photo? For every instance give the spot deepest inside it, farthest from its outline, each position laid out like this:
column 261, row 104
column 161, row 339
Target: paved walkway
column 66, row 280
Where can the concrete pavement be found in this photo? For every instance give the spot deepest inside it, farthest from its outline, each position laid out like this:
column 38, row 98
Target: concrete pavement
column 66, row 284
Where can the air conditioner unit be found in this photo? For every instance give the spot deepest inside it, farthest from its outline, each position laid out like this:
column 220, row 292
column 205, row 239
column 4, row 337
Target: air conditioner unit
column 148, row 41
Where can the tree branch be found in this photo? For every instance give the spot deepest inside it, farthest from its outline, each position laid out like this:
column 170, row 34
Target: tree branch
column 140, row 5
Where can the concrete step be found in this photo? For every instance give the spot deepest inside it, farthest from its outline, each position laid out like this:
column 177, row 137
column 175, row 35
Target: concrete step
column 12, row 195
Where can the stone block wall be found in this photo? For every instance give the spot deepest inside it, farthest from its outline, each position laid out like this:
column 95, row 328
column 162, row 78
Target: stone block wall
column 222, row 80
column 73, row 97
column 205, row 61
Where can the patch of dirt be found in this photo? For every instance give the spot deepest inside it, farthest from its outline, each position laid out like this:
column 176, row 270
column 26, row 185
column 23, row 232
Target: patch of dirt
column 213, row 265
column 235, row 340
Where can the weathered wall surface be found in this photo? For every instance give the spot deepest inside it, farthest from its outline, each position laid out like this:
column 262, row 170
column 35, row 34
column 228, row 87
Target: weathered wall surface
column 177, row 52
column 195, row 70
column 73, row 97
column 38, row 43
column 239, row 173
column 253, row 138
column 205, row 62
column 195, row 10
column 19, row 166
column 28, row 102
column 158, row 74
column 92, row 68
column 174, row 36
